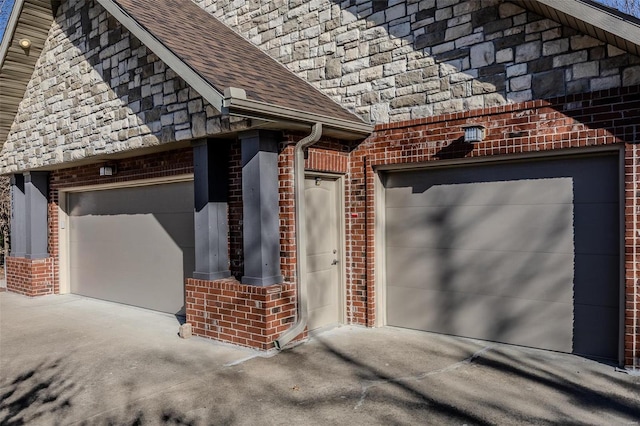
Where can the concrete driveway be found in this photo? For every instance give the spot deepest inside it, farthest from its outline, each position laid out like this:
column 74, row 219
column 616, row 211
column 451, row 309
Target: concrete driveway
column 71, row 360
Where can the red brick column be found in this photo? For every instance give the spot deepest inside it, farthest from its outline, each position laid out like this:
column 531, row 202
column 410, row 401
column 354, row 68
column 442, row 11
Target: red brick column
column 632, row 257
column 233, row 312
column 30, row 277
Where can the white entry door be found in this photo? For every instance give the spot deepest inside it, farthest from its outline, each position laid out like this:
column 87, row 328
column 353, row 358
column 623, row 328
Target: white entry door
column 323, row 252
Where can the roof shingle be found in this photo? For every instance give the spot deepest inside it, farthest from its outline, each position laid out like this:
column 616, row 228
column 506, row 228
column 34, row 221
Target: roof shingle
column 225, row 59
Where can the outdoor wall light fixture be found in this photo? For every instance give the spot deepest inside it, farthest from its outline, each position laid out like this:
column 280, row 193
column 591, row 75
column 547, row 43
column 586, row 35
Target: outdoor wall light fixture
column 473, row 133
column 107, row 170
column 25, row 43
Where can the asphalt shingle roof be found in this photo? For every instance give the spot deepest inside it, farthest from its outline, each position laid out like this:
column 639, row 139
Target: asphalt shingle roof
column 225, row 59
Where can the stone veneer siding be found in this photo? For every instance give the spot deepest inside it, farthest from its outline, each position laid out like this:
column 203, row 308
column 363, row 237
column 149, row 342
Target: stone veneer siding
column 97, row 90
column 392, row 60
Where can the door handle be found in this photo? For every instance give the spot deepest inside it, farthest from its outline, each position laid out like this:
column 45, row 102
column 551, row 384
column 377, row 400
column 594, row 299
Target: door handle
column 335, row 262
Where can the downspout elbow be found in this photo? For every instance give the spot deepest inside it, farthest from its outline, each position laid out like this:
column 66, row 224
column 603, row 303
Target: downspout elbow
column 301, row 249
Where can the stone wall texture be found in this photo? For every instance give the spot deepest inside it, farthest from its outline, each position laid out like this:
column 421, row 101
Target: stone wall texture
column 391, row 60
column 97, row 90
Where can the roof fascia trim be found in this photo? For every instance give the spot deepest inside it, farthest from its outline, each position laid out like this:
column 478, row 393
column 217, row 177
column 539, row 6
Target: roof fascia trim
column 10, row 30
column 266, row 111
column 195, row 80
column 595, row 17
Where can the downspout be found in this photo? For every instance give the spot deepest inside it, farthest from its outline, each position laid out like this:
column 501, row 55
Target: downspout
column 301, row 248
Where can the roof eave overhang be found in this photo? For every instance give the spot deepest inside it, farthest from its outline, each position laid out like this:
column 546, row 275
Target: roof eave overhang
column 243, row 107
column 29, row 19
column 232, row 105
column 10, row 30
column 600, row 22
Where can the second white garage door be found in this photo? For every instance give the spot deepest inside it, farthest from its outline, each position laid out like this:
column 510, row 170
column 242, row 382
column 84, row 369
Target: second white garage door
column 133, row 245
column 524, row 253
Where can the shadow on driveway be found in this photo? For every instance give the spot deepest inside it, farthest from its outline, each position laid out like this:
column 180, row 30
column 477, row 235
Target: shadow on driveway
column 88, row 362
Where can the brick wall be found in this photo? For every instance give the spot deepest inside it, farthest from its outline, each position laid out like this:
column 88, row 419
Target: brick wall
column 246, row 315
column 328, row 156
column 255, row 316
column 163, row 164
column 632, row 255
column 570, row 123
column 30, row 277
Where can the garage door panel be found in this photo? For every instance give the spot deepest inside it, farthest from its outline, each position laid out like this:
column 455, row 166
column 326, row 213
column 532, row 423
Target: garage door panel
column 595, row 179
column 593, row 275
column 405, row 192
column 123, row 287
column 176, row 227
column 152, row 228
column 593, row 330
column 484, row 317
column 512, row 274
column 506, row 228
column 115, row 274
column 133, row 245
column 594, row 233
column 587, row 186
column 541, row 237
column 169, row 198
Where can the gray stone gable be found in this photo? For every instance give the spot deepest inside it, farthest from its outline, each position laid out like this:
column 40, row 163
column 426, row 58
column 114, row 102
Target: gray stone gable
column 392, row 60
column 97, row 90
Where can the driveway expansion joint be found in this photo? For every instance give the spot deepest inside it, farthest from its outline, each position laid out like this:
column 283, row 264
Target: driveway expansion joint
column 368, row 384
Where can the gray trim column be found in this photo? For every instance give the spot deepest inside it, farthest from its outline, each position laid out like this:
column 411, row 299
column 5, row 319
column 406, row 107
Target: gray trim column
column 36, row 185
column 210, row 170
column 261, row 231
column 18, row 217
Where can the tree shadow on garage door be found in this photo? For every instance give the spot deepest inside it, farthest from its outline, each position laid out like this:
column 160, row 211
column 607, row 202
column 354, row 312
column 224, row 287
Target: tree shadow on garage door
column 521, row 252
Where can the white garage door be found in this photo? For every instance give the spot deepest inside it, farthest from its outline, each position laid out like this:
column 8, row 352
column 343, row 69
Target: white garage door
column 133, row 245
column 524, row 253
